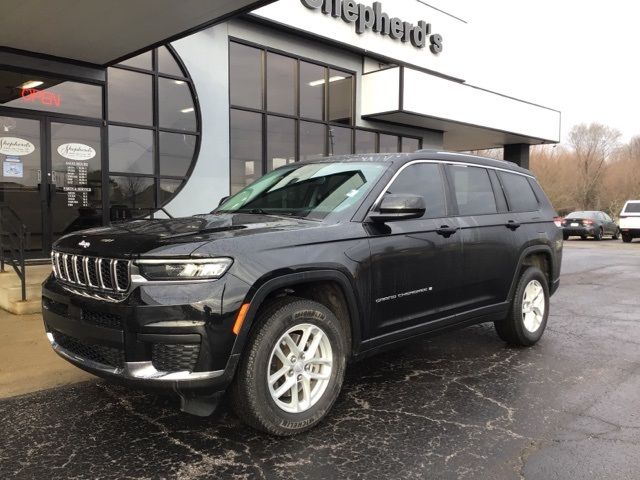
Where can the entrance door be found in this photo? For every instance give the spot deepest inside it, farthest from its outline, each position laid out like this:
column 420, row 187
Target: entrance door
column 22, row 189
column 75, row 180
column 51, row 176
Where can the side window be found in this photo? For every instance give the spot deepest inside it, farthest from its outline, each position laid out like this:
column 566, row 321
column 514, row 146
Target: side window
column 607, row 217
column 423, row 179
column 474, row 193
column 519, row 193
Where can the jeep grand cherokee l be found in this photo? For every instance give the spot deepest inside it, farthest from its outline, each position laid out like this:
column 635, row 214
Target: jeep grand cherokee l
column 315, row 264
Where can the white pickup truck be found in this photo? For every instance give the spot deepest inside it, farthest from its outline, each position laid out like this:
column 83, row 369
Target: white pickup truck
column 630, row 220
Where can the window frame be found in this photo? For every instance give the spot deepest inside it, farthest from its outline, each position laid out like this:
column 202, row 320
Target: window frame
column 155, row 128
column 297, row 117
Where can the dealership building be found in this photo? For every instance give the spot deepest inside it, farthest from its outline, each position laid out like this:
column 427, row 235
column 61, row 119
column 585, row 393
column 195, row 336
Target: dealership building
column 120, row 113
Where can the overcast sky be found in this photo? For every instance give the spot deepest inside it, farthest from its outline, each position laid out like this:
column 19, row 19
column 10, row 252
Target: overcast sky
column 579, row 57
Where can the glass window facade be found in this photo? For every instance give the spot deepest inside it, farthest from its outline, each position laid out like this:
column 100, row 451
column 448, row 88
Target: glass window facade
column 153, row 132
column 130, row 97
column 245, row 148
column 245, row 75
column 281, row 84
column 285, row 108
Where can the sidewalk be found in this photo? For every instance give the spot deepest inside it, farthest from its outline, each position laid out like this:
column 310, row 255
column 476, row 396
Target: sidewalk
column 27, row 362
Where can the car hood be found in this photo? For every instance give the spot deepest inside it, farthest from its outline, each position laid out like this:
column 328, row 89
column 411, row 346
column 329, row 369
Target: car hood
column 173, row 237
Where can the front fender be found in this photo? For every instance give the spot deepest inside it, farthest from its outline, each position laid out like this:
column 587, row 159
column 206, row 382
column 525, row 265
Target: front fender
column 258, row 294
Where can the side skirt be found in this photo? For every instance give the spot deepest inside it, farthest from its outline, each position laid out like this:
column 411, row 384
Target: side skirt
column 394, row 339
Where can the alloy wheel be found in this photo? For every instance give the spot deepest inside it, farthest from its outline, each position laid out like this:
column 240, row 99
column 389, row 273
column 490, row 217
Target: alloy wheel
column 300, row 368
column 533, row 306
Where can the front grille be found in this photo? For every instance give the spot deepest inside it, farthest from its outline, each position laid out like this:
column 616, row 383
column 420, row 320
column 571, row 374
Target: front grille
column 111, row 356
column 94, row 273
column 168, row 357
column 102, row 319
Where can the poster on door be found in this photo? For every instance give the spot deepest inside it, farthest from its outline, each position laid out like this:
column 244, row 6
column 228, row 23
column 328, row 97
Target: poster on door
column 76, row 185
column 12, row 167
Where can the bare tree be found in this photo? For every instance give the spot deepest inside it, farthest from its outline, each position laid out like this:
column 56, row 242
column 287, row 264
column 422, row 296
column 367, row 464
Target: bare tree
column 593, row 146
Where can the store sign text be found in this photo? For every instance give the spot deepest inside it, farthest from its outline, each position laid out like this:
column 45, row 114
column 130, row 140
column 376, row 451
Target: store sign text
column 34, row 95
column 76, row 151
column 372, row 17
column 15, row 146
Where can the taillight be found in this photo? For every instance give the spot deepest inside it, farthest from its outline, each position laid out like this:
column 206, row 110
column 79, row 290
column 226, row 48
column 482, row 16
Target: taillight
column 587, row 222
column 558, row 221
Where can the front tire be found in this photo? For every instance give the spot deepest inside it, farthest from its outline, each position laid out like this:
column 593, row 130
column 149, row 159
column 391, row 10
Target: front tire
column 616, row 234
column 529, row 310
column 626, row 238
column 292, row 370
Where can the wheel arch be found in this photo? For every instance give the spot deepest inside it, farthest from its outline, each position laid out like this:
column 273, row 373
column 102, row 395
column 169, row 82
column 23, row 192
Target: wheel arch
column 284, row 284
column 533, row 256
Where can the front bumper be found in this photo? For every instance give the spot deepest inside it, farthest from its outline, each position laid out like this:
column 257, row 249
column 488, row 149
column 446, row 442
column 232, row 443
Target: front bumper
column 168, row 337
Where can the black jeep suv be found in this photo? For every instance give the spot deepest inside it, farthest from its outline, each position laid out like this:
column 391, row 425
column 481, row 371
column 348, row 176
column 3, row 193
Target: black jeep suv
column 315, row 264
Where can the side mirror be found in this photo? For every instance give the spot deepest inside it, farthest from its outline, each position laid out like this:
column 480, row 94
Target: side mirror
column 223, row 199
column 398, row 207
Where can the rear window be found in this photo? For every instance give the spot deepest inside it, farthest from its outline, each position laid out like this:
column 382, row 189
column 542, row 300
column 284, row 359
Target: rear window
column 581, row 214
column 632, row 208
column 520, row 195
column 474, row 193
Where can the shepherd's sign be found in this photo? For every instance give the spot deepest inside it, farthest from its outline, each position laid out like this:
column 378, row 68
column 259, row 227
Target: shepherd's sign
column 372, row 17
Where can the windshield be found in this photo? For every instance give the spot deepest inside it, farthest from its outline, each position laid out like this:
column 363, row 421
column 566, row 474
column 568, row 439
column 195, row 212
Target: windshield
column 311, row 191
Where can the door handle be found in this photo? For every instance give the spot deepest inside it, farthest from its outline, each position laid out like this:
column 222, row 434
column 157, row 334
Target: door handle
column 446, row 231
column 513, row 225
column 51, row 190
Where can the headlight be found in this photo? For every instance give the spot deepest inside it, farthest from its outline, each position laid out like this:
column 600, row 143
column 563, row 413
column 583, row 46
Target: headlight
column 210, row 268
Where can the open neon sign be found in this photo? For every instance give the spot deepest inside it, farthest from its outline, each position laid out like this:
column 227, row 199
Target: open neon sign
column 34, row 95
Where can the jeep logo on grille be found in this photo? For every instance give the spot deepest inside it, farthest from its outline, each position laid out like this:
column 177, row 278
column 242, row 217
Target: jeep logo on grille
column 84, row 244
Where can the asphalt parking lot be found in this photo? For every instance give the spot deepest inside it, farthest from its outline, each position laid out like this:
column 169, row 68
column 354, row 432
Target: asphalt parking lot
column 461, row 405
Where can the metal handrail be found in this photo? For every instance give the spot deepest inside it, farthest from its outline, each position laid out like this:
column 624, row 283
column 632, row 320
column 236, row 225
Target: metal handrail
column 15, row 232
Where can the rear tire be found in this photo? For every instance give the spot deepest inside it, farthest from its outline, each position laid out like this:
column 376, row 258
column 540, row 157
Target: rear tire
column 529, row 310
column 626, row 238
column 616, row 235
column 565, row 236
column 292, row 369
column 598, row 236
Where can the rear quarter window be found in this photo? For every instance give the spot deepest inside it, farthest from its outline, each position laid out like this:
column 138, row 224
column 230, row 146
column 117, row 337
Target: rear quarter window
column 520, row 195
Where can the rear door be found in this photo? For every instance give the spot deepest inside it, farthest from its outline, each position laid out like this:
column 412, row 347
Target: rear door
column 489, row 237
column 415, row 263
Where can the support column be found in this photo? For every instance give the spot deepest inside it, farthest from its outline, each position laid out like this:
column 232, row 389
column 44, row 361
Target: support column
column 517, row 153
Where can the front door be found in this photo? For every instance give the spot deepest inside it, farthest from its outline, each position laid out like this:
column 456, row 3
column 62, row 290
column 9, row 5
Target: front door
column 51, row 177
column 415, row 263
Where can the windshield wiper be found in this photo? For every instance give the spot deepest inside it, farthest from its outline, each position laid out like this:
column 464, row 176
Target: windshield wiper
column 261, row 211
